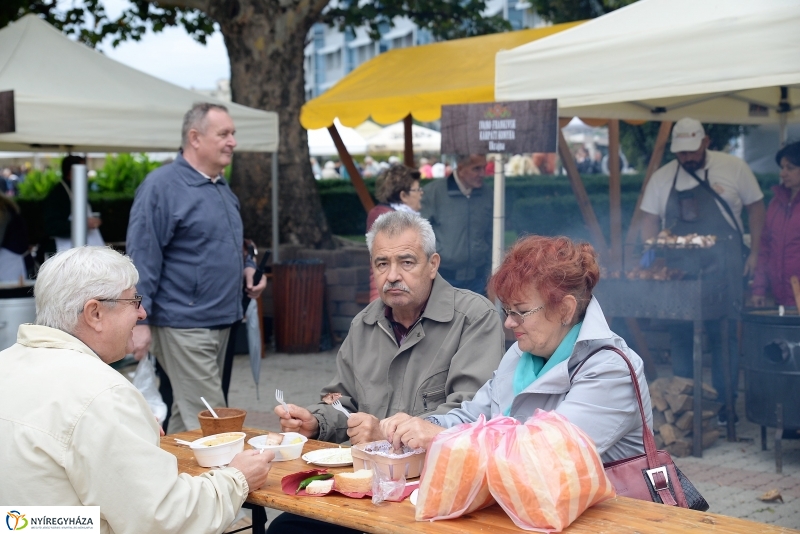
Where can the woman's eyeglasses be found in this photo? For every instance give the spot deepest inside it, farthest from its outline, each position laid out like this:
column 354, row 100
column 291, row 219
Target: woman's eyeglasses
column 518, row 317
column 137, row 299
column 415, row 190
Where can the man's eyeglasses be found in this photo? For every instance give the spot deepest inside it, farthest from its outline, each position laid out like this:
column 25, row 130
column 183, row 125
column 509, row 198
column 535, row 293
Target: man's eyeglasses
column 518, row 317
column 137, row 299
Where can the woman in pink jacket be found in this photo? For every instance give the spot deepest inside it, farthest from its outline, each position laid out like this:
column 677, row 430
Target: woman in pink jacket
column 779, row 255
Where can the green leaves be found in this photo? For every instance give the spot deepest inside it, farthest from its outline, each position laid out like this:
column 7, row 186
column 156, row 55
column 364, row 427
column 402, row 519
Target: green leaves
column 38, row 183
column 123, row 173
column 558, row 11
column 88, row 21
column 119, row 177
column 446, row 19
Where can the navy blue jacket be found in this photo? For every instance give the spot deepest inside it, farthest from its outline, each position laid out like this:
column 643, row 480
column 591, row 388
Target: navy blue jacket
column 185, row 238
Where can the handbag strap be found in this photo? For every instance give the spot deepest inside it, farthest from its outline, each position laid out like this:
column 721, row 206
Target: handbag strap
column 657, row 472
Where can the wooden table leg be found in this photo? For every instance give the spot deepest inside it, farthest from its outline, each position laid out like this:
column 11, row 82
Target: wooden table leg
column 697, row 360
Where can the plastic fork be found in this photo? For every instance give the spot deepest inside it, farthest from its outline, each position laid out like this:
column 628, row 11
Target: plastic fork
column 279, row 398
column 337, row 405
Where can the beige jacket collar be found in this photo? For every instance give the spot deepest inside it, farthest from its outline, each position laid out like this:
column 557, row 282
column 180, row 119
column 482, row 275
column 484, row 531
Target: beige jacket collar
column 37, row 336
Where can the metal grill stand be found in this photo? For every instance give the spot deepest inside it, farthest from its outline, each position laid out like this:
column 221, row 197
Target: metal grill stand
column 684, row 300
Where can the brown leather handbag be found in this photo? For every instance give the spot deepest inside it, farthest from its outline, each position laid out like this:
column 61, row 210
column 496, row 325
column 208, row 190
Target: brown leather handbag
column 651, row 476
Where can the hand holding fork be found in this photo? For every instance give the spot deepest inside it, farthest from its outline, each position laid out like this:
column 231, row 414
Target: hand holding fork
column 279, row 398
column 337, row 405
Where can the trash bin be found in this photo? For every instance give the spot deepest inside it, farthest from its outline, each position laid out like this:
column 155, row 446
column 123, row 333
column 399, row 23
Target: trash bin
column 298, row 291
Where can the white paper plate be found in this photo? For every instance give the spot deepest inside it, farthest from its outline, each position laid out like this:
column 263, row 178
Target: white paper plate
column 323, row 457
column 413, row 497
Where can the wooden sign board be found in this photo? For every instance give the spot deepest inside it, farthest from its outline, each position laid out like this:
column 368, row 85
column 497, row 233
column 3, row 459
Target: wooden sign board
column 500, row 127
column 7, row 121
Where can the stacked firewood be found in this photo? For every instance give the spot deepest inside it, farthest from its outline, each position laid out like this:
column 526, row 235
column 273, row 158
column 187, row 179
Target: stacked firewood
column 673, row 415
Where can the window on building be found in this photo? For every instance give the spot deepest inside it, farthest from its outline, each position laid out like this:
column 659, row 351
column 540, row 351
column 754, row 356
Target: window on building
column 365, row 53
column 333, row 61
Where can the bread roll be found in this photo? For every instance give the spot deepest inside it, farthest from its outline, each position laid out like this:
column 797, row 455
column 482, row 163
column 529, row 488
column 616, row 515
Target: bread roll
column 320, row 487
column 358, row 482
column 273, row 438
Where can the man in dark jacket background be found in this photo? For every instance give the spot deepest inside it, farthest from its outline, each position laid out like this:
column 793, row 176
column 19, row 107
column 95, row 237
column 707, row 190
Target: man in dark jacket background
column 460, row 212
column 185, row 238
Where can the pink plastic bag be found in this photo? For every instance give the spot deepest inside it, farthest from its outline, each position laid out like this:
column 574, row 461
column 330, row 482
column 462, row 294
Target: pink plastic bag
column 453, row 480
column 546, row 473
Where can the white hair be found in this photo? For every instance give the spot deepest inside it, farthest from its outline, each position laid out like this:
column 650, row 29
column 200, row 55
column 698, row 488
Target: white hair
column 71, row 278
column 395, row 223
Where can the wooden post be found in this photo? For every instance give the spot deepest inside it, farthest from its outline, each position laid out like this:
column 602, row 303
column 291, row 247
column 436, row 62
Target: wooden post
column 568, row 161
column 630, row 243
column 614, row 196
column 655, row 162
column 355, row 176
column 7, row 120
column 408, row 148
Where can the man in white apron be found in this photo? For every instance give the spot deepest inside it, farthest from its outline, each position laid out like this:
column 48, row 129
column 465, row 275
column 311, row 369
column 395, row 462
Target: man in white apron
column 703, row 192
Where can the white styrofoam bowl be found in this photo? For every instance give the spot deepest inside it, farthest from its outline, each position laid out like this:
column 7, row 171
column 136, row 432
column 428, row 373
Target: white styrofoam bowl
column 290, row 451
column 214, row 455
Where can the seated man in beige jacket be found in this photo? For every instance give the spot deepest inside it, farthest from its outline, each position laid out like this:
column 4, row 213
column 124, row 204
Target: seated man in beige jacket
column 424, row 347
column 75, row 432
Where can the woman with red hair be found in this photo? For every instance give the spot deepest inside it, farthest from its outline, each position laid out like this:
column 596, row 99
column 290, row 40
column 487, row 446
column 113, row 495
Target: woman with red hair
column 545, row 286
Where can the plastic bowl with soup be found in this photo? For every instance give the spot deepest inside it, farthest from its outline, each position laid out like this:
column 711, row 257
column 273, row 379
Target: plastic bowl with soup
column 218, row 449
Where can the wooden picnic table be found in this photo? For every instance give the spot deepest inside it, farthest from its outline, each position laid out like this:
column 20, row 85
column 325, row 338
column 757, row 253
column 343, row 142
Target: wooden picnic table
column 618, row 515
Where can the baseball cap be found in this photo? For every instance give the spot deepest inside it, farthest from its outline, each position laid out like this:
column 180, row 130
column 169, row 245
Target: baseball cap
column 687, row 135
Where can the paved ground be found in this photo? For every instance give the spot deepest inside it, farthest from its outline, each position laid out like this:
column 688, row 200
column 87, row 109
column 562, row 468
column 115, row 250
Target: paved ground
column 731, row 476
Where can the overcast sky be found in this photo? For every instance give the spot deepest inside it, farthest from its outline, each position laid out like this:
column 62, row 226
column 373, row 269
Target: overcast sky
column 172, row 55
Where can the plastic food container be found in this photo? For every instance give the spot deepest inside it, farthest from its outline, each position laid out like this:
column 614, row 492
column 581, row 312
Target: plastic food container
column 290, row 448
column 215, row 455
column 229, row 420
column 408, row 465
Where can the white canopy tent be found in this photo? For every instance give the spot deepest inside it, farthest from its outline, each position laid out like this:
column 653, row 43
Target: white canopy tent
column 70, row 97
column 392, row 139
column 321, row 144
column 719, row 61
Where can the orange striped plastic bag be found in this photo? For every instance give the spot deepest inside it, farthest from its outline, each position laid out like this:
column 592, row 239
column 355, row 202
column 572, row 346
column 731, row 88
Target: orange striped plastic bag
column 546, row 473
column 453, row 480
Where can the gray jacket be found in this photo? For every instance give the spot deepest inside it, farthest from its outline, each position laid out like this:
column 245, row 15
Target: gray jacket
column 600, row 400
column 463, row 226
column 446, row 357
column 185, row 238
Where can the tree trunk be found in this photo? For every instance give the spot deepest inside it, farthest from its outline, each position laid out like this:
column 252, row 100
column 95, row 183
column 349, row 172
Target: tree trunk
column 265, row 42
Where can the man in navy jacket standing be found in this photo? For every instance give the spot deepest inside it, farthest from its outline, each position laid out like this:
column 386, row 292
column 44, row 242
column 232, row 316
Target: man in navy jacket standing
column 185, row 238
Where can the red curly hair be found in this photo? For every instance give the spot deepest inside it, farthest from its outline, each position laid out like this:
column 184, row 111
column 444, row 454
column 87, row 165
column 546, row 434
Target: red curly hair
column 555, row 266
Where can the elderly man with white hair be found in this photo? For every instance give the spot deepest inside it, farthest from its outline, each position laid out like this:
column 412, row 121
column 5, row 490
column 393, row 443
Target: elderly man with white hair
column 75, row 432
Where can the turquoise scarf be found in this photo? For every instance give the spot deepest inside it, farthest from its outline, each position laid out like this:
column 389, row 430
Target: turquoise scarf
column 531, row 367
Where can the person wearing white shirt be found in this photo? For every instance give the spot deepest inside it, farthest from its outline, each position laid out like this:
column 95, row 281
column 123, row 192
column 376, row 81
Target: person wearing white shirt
column 703, row 191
